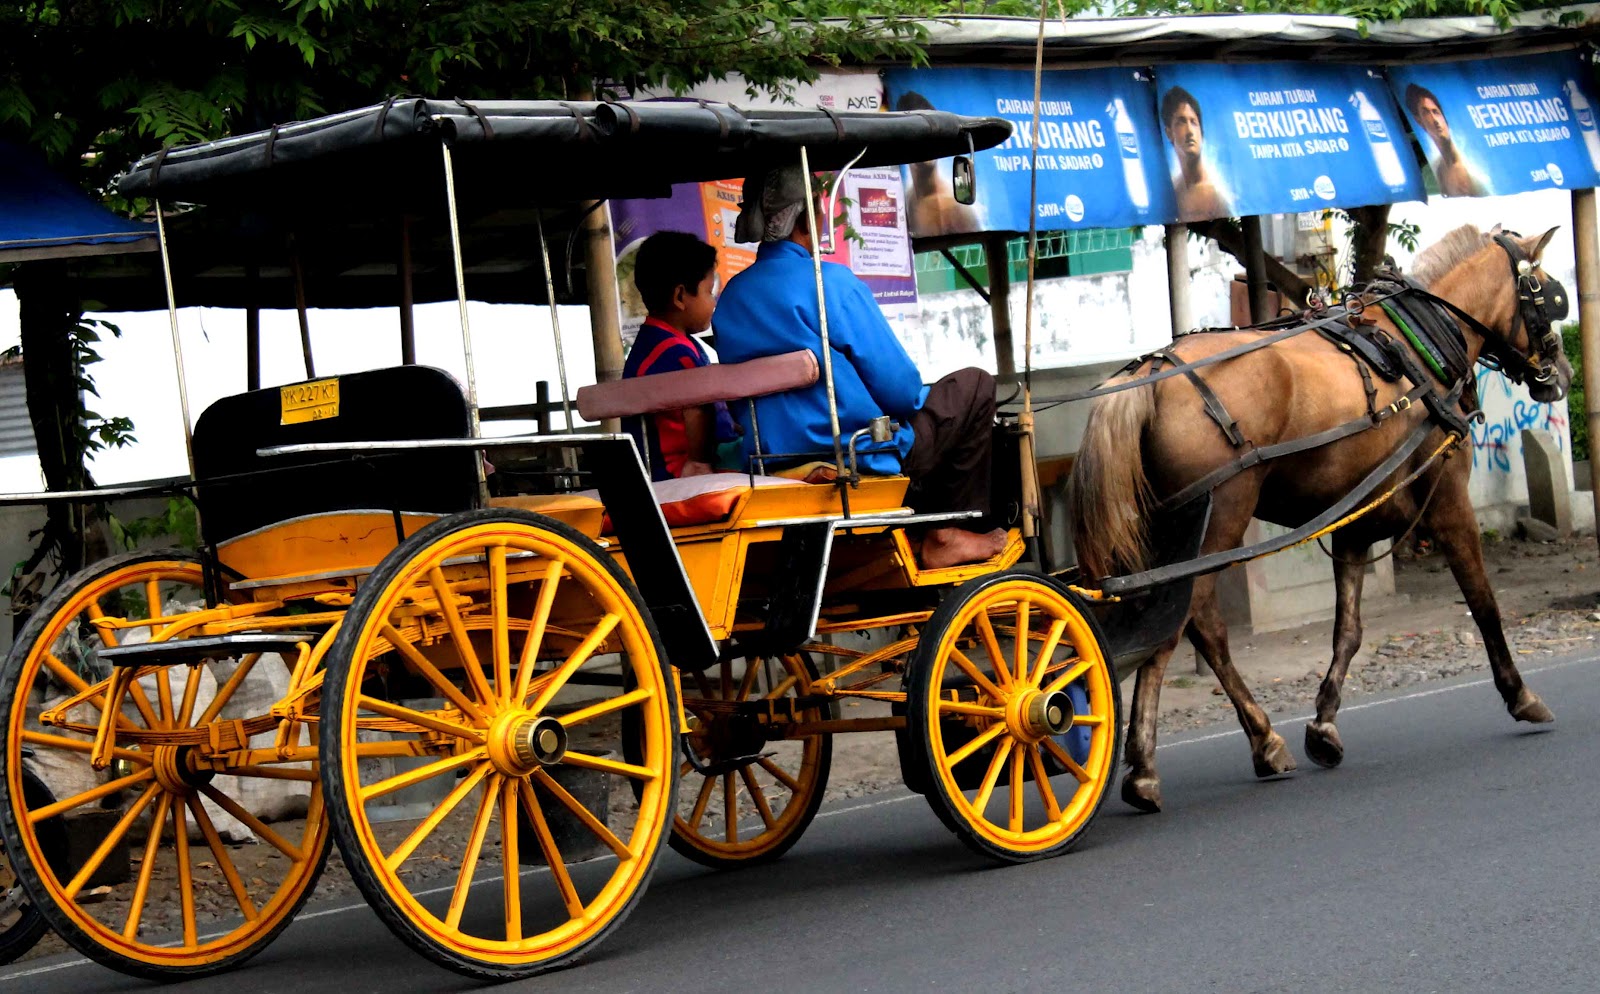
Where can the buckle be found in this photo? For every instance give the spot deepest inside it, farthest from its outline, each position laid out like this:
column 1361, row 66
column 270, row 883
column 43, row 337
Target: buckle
column 1403, row 404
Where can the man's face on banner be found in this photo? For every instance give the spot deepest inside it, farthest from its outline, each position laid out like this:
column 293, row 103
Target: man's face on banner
column 1431, row 117
column 1184, row 132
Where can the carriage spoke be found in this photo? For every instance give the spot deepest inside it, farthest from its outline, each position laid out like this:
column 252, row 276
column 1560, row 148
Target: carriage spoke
column 501, row 632
column 191, row 692
column 164, row 695
column 991, row 777
column 730, row 807
column 972, row 710
column 784, row 686
column 756, row 795
column 67, row 675
column 141, row 885
column 180, row 831
column 752, row 669
column 608, row 766
column 1061, row 756
column 93, row 794
column 82, row 745
column 219, row 852
column 1088, row 721
column 442, row 810
column 1051, row 642
column 541, row 618
column 552, row 855
column 701, row 801
column 111, row 841
column 226, row 692
column 781, row 775
column 458, row 634
column 1070, row 676
column 558, row 679
column 412, row 777
column 1024, row 632
column 251, row 822
column 152, row 597
column 583, row 814
column 976, row 675
column 1052, row 810
column 991, row 645
column 469, row 859
column 435, row 677
column 1017, row 749
column 109, row 639
column 977, row 742
column 509, row 829
column 604, row 707
column 423, row 719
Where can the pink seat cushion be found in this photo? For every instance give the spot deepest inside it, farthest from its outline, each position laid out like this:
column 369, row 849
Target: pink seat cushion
column 701, row 500
column 683, row 388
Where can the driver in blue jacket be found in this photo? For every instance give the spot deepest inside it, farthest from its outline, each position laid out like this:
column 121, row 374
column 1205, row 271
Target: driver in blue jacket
column 944, row 442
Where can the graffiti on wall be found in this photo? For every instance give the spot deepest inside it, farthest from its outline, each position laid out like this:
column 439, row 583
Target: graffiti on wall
column 1497, row 441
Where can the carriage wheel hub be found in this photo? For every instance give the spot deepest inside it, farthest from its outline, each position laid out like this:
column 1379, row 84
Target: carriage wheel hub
column 520, row 743
column 1044, row 714
column 176, row 770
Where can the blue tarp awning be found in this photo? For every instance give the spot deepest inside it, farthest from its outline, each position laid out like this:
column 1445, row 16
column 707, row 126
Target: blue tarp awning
column 43, row 216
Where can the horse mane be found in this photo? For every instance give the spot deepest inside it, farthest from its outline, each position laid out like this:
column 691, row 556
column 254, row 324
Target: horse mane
column 1447, row 253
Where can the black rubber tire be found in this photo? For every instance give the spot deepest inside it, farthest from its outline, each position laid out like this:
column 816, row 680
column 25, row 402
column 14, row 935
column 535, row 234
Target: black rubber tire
column 27, row 874
column 918, row 689
column 807, row 814
column 30, row 926
column 333, row 783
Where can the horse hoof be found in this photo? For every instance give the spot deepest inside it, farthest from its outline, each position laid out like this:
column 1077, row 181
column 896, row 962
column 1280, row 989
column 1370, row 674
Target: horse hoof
column 1274, row 757
column 1142, row 793
column 1323, row 745
column 1530, row 708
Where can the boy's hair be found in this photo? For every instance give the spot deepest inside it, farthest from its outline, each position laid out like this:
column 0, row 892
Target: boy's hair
column 668, row 260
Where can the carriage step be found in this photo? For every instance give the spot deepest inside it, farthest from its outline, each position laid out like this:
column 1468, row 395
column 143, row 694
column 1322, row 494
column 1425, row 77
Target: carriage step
column 207, row 647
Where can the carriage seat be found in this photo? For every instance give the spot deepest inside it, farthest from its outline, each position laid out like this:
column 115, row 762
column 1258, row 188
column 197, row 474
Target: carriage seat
column 681, row 388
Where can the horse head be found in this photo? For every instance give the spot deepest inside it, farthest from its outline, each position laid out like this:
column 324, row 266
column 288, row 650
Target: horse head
column 1508, row 303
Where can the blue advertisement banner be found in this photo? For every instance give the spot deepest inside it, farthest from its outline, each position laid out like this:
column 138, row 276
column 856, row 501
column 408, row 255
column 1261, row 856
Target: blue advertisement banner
column 1497, row 126
column 1099, row 150
column 1275, row 138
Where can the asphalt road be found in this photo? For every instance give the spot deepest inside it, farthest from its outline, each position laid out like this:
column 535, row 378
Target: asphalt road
column 1453, row 851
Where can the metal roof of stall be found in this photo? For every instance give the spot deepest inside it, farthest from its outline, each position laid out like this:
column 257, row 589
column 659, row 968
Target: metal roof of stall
column 1092, row 41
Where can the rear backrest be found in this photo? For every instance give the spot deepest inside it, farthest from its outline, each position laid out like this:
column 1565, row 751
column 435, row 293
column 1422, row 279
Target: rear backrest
column 683, row 388
column 378, row 405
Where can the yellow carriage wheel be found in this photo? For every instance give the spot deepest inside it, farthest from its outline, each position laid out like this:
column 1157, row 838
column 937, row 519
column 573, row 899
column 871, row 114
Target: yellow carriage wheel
column 998, row 716
column 753, row 796
column 502, row 735
column 163, row 895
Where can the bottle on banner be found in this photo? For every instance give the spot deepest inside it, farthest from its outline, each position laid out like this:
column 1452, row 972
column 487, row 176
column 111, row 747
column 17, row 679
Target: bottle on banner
column 1128, row 144
column 1582, row 110
column 1384, row 154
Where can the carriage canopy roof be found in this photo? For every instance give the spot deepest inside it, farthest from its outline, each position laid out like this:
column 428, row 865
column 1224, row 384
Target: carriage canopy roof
column 540, row 152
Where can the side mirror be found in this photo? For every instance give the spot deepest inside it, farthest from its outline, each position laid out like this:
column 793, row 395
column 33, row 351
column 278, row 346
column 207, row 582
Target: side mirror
column 963, row 180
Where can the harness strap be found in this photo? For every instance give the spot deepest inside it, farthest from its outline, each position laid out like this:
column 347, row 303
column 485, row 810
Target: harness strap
column 1422, row 346
column 1215, row 408
column 1265, row 453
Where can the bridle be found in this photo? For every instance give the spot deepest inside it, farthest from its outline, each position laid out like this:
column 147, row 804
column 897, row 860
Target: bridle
column 1539, row 305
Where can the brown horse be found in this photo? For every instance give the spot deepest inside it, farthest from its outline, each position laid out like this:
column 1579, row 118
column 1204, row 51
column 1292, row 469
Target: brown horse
column 1147, row 443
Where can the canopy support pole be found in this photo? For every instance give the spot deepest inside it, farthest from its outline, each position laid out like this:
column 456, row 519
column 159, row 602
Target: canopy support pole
column 252, row 331
column 1586, row 235
column 300, row 310
column 408, row 328
column 995, row 253
column 1178, row 304
column 1026, row 449
column 555, row 319
column 473, row 424
column 1255, row 267
column 177, row 340
column 822, row 327
column 605, row 305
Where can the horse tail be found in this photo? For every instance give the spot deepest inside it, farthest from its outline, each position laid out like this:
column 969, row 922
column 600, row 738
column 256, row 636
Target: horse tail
column 1110, row 493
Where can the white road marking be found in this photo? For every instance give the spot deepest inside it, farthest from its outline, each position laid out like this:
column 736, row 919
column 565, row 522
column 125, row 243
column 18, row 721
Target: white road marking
column 900, row 798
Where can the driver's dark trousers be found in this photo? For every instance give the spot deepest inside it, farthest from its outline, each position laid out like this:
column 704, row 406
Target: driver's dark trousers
column 949, row 462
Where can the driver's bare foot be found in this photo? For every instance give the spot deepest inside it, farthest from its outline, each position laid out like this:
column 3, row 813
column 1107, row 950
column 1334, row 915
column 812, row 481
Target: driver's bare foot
column 956, row 547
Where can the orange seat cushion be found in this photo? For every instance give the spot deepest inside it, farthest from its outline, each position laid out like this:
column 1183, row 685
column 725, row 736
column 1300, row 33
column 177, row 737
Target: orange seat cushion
column 703, row 500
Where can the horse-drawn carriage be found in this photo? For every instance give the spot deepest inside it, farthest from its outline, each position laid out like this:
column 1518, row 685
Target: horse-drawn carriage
column 489, row 685
column 550, row 659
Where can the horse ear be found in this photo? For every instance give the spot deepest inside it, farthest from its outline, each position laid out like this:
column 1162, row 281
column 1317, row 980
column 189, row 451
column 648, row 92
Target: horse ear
column 1494, row 230
column 1537, row 250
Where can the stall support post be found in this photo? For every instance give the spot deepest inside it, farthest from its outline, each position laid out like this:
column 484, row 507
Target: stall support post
column 1586, row 236
column 1255, row 267
column 408, row 327
column 605, row 310
column 1178, row 279
column 995, row 249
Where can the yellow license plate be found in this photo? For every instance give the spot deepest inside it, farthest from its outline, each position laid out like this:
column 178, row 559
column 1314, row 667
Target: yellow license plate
column 314, row 401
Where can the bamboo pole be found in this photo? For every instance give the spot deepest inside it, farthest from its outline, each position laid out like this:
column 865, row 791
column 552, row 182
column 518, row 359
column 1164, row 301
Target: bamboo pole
column 1586, row 239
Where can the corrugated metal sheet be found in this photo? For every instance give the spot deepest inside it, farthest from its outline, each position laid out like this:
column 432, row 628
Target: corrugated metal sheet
column 16, row 431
